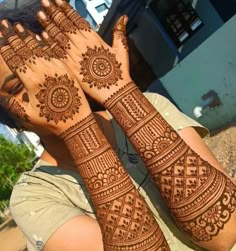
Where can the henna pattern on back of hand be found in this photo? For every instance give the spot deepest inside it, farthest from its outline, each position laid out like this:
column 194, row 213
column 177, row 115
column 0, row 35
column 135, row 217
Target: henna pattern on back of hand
column 126, row 221
column 100, row 68
column 201, row 198
column 58, row 98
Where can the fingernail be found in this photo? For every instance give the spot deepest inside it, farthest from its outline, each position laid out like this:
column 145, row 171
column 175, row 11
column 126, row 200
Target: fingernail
column 22, row 32
column 42, row 15
column 19, row 27
column 5, row 23
column 6, row 28
column 125, row 19
column 59, row 2
column 45, row 3
column 38, row 38
column 45, row 35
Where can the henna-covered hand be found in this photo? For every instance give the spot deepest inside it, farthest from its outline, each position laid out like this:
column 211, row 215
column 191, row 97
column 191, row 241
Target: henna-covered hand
column 51, row 97
column 100, row 69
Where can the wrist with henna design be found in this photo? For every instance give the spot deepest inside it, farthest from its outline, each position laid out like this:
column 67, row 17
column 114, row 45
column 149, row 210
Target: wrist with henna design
column 200, row 197
column 125, row 220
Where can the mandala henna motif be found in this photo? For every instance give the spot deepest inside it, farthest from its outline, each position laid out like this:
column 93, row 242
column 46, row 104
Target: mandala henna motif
column 77, row 20
column 125, row 220
column 100, row 68
column 58, row 99
column 201, row 198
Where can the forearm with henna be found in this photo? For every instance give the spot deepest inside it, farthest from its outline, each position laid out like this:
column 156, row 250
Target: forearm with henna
column 125, row 220
column 200, row 197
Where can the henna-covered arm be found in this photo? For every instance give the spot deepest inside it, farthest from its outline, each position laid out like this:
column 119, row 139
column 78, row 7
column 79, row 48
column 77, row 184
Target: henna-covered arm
column 201, row 198
column 54, row 102
column 125, row 220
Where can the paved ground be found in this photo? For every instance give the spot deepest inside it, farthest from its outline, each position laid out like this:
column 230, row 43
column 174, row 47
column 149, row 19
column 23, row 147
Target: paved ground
column 223, row 145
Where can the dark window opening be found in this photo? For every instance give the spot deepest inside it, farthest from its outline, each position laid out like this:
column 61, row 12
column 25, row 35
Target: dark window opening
column 101, row 8
column 179, row 18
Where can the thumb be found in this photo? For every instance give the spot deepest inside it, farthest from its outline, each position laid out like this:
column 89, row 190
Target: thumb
column 13, row 106
column 119, row 33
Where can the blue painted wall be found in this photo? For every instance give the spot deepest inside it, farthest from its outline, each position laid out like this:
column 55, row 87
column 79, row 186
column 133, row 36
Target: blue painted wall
column 212, row 66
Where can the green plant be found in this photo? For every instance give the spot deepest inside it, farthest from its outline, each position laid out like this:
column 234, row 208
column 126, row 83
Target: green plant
column 14, row 159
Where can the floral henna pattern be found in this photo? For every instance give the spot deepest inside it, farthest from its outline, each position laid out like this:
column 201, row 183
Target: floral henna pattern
column 100, row 68
column 125, row 220
column 77, row 20
column 58, row 99
column 201, row 198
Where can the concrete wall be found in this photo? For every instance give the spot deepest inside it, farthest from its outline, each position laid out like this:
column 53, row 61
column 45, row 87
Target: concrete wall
column 154, row 48
column 210, row 67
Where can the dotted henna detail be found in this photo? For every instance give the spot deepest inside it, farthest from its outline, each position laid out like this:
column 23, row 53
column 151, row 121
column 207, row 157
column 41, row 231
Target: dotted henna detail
column 100, row 68
column 58, row 99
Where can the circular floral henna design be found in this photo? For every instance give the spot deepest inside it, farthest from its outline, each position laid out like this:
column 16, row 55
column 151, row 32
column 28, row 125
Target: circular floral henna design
column 100, row 68
column 58, row 99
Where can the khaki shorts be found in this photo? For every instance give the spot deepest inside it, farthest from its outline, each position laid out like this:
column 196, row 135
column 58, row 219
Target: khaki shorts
column 47, row 197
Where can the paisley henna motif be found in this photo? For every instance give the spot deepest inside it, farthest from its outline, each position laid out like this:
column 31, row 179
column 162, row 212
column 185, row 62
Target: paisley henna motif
column 58, row 99
column 77, row 20
column 100, row 68
column 201, row 198
column 125, row 220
